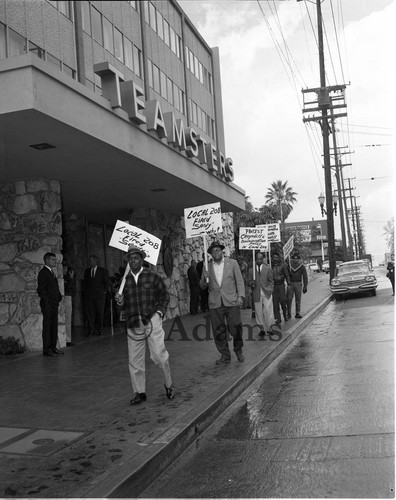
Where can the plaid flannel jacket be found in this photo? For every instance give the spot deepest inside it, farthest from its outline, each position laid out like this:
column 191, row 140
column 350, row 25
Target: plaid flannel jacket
column 146, row 298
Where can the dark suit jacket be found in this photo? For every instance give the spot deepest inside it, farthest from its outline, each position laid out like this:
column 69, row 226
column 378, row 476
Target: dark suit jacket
column 264, row 281
column 98, row 285
column 48, row 289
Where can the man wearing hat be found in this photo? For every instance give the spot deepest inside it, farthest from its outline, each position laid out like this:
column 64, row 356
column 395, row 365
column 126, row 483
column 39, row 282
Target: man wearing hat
column 226, row 294
column 298, row 281
column 145, row 299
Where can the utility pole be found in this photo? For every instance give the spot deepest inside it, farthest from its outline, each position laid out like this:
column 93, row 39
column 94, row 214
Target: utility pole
column 323, row 105
column 352, row 212
column 340, row 194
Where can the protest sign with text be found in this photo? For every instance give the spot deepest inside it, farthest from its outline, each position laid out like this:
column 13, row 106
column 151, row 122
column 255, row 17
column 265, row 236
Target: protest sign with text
column 253, row 238
column 288, row 247
column 203, row 219
column 125, row 235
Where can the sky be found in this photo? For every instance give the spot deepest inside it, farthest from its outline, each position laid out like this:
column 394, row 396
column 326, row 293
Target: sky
column 268, row 54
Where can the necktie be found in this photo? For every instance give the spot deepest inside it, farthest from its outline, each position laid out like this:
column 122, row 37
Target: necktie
column 93, row 273
column 259, row 269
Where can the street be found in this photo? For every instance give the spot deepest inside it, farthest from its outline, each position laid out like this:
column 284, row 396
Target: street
column 318, row 423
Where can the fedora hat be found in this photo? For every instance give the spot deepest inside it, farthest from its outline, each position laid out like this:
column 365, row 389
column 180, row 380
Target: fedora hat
column 134, row 249
column 215, row 244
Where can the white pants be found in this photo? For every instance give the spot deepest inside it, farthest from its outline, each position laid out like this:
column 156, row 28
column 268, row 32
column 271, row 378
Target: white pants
column 154, row 335
column 68, row 317
column 264, row 312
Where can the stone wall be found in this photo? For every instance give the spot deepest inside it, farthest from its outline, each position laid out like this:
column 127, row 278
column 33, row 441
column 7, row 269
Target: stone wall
column 30, row 226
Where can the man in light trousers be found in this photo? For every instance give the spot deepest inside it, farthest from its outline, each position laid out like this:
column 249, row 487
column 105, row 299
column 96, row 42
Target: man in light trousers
column 145, row 299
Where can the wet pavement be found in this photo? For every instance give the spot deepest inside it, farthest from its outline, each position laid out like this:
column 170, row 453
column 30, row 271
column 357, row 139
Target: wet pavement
column 319, row 423
column 67, row 428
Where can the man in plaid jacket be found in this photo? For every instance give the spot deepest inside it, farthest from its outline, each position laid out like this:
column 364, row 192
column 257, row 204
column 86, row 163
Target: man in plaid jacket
column 145, row 299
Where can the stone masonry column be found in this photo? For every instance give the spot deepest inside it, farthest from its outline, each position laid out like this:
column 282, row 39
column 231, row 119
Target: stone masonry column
column 30, row 226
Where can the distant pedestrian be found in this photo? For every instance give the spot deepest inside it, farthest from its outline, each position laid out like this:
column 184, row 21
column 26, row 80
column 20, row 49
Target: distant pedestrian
column 262, row 288
column 195, row 289
column 391, row 272
column 226, row 293
column 281, row 279
column 95, row 286
column 50, row 296
column 298, row 283
column 70, row 286
column 145, row 299
column 243, row 266
column 204, row 293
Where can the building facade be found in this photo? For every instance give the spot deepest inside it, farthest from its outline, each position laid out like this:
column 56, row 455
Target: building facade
column 108, row 111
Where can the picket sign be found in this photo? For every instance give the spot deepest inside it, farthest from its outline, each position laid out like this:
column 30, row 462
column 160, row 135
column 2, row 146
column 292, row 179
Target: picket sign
column 288, row 247
column 125, row 235
column 203, row 220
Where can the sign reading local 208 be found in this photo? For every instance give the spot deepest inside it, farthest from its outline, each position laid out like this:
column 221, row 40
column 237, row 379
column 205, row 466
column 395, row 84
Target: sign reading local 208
column 130, row 97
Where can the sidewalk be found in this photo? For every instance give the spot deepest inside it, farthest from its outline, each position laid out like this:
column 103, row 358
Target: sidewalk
column 67, row 428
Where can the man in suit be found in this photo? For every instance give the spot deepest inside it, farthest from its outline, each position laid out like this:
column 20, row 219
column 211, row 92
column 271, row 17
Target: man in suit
column 95, row 286
column 204, row 294
column 195, row 289
column 281, row 275
column 226, row 294
column 262, row 288
column 48, row 291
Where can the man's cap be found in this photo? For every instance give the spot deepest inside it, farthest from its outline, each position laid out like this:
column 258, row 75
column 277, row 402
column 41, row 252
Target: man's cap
column 214, row 245
column 134, row 249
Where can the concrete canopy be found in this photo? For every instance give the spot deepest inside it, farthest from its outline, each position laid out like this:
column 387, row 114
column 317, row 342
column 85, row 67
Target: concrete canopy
column 105, row 164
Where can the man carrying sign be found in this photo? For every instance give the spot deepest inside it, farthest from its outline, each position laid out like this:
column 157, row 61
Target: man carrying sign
column 226, row 294
column 145, row 300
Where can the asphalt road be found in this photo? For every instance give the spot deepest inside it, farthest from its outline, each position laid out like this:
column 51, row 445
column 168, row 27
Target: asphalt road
column 318, row 423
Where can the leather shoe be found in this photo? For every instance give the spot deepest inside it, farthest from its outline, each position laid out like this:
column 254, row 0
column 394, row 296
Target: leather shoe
column 223, row 361
column 298, row 315
column 170, row 392
column 140, row 397
column 57, row 351
column 50, row 354
column 240, row 356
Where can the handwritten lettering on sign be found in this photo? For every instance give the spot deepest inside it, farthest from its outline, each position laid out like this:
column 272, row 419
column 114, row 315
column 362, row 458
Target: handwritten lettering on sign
column 125, row 235
column 253, row 238
column 203, row 219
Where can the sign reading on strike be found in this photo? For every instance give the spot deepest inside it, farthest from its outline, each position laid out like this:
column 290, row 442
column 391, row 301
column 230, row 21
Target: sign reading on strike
column 124, row 235
column 203, row 219
column 253, row 238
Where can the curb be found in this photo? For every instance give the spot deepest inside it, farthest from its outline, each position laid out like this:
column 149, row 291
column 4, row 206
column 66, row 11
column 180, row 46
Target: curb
column 138, row 473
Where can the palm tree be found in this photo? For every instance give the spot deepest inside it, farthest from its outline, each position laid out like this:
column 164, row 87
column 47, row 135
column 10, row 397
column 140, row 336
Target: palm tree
column 281, row 196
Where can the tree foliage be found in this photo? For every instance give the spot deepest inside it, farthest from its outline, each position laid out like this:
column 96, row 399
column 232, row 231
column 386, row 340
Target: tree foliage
column 282, row 197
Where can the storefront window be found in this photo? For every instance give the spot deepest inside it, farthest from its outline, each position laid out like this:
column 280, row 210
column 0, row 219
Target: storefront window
column 163, row 85
column 97, row 32
column 160, row 26
column 35, row 49
column 53, row 60
column 86, row 18
column 128, row 53
column 108, row 35
column 156, row 78
column 118, row 46
column 137, row 68
column 170, row 90
column 17, row 43
column 3, row 54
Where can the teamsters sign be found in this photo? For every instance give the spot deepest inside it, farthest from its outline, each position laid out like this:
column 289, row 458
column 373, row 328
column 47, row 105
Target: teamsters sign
column 130, row 97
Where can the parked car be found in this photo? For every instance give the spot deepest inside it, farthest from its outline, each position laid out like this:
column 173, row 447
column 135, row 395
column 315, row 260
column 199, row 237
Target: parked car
column 314, row 267
column 356, row 276
column 326, row 265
